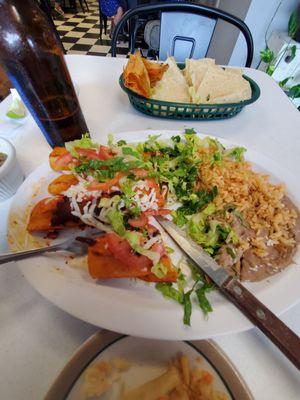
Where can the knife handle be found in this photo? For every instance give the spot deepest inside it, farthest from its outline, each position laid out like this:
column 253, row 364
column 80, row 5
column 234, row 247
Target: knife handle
column 281, row 335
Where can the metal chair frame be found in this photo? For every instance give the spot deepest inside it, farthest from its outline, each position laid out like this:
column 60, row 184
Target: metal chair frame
column 188, row 8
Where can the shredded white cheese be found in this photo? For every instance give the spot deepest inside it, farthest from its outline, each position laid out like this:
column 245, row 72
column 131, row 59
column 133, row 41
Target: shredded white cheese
column 151, row 242
column 143, row 200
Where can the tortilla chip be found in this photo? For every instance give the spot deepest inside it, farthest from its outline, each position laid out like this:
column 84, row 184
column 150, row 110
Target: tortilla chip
column 172, row 86
column 136, row 76
column 222, row 86
column 155, row 70
column 238, row 71
column 195, row 70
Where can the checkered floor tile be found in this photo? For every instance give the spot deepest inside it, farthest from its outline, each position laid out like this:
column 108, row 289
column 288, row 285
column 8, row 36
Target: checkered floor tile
column 80, row 33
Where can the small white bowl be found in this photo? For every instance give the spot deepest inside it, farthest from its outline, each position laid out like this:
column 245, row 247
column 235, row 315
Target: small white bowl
column 11, row 175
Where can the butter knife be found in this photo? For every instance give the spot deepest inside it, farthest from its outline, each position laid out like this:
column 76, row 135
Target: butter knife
column 282, row 336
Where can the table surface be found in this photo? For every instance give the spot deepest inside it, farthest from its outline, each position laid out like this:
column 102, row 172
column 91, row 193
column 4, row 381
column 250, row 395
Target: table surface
column 36, row 338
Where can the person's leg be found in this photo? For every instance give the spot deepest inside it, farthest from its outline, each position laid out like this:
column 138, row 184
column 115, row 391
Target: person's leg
column 116, row 19
column 57, row 8
column 118, row 16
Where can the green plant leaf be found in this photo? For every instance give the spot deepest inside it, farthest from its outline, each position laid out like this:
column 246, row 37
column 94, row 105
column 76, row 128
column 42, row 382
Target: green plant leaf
column 270, row 69
column 293, row 24
column 294, row 91
column 293, row 52
column 284, row 81
column 267, row 55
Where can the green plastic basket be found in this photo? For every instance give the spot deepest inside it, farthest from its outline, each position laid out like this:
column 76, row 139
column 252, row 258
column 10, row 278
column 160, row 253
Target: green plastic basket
column 187, row 111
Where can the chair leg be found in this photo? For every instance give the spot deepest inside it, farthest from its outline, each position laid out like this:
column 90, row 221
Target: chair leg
column 131, row 35
column 81, row 5
column 105, row 24
column 133, row 28
column 87, row 7
column 101, row 25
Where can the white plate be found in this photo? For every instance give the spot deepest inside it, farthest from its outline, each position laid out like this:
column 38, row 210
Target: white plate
column 136, row 308
column 149, row 359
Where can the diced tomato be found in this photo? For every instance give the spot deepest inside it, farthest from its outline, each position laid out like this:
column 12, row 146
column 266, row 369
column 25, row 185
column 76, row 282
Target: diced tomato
column 104, row 153
column 140, row 172
column 171, row 275
column 123, row 252
column 159, row 248
column 88, row 153
column 162, row 211
column 139, row 222
column 92, row 154
column 148, row 154
column 151, row 229
column 102, row 263
column 64, row 160
column 106, row 185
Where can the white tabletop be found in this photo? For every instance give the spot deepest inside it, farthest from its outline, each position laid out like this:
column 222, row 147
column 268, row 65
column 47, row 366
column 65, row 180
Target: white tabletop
column 36, row 338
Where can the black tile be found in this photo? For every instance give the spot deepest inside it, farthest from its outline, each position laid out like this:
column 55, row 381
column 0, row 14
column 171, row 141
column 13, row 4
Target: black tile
column 80, row 16
column 103, row 42
column 79, row 29
column 120, row 50
column 81, row 47
column 91, row 35
column 68, row 39
column 71, row 23
column 96, row 26
column 89, row 21
column 94, row 53
column 62, row 33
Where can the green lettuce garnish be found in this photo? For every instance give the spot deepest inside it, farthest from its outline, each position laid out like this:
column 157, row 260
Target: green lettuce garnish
column 115, row 217
column 159, row 270
column 84, row 143
column 237, row 153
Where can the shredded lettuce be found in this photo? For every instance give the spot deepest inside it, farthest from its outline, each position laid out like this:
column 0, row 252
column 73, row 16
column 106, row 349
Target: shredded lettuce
column 134, row 240
column 115, row 218
column 110, row 139
column 169, row 291
column 210, row 233
column 203, row 302
column 159, row 270
column 237, row 153
column 129, row 151
column 192, row 204
column 84, row 143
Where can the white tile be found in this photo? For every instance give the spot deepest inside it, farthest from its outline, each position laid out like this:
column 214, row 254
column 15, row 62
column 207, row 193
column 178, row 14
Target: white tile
column 93, row 30
column 87, row 41
column 75, row 34
column 64, row 28
column 67, row 46
column 75, row 20
column 57, row 23
column 85, row 25
column 93, row 17
column 100, row 49
column 77, row 52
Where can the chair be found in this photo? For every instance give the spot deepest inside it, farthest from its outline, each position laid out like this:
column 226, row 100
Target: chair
column 46, row 8
column 73, row 4
column 187, row 40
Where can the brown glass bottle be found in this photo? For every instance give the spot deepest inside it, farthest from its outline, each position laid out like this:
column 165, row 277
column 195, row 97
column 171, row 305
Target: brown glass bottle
column 33, row 59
